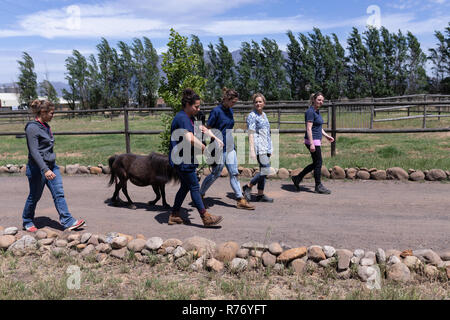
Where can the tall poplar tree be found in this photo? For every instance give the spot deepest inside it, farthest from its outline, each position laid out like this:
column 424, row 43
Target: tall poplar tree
column 27, row 80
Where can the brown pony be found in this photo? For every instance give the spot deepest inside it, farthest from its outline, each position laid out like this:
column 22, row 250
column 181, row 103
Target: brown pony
column 153, row 169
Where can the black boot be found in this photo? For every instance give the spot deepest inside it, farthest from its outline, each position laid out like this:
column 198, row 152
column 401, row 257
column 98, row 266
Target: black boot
column 321, row 189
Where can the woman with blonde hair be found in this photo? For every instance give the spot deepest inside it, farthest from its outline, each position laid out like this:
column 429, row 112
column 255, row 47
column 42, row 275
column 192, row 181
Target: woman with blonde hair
column 261, row 148
column 313, row 138
column 42, row 169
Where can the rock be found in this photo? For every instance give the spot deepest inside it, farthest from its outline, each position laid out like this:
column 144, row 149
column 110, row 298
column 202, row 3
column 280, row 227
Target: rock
column 179, row 252
column 255, row 246
column 247, row 173
column 83, row 170
column 329, row 251
column 242, row 253
column 103, row 247
column 58, row 251
column 85, row 237
column 275, row 248
column 436, row 175
column 81, row 246
column 89, row 250
column 14, row 169
column 129, row 237
column 393, row 260
column 198, row 264
column 93, row 240
column 359, row 253
column 417, row 176
column 253, row 263
column 136, row 245
column 73, row 243
column 268, row 259
column 445, row 256
column 325, row 263
column 431, row 271
column 351, row 173
column 256, row 253
column 106, row 170
column 370, row 255
column 171, row 243
column 343, row 256
column 283, row 173
column 215, row 265
column 398, row 272
column 363, row 175
column 366, row 272
column 238, row 265
column 324, row 172
column 292, row 254
column 344, row 275
column 26, row 243
column 224, row 172
column 4, row 169
column 141, row 236
column 167, row 250
column 95, row 170
column 120, row 253
column 199, row 244
column 337, row 173
column 227, row 251
column 428, row 256
column 61, row 243
column 40, row 235
column 378, row 175
column 272, row 173
column 316, row 254
column 119, row 242
column 52, row 233
column 6, row 241
column 74, row 237
column 396, row 173
column 72, row 169
column 406, row 253
column 278, row 267
column 298, row 265
column 380, row 255
column 10, row 231
column 412, row 262
column 447, row 270
column 101, row 257
column 154, row 243
column 46, row 241
column 367, row 262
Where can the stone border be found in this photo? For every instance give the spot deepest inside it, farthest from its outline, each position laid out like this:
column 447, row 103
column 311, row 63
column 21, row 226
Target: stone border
column 395, row 173
column 197, row 253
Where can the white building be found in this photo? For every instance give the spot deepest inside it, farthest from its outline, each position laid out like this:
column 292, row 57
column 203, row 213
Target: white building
column 11, row 101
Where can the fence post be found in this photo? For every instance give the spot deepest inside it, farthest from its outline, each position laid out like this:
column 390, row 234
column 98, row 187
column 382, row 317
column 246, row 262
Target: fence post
column 424, row 124
column 127, row 133
column 371, row 116
column 333, row 129
column 279, row 118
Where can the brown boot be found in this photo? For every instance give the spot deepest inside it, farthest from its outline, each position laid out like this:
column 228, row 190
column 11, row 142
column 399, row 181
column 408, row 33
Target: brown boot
column 243, row 204
column 210, row 220
column 174, row 218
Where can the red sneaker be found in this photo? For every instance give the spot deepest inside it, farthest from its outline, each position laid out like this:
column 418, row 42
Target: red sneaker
column 77, row 225
column 31, row 229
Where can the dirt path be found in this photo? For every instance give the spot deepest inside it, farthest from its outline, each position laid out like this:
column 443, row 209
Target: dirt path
column 358, row 214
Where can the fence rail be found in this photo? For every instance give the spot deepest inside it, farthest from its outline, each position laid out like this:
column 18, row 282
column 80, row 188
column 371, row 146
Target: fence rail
column 364, row 115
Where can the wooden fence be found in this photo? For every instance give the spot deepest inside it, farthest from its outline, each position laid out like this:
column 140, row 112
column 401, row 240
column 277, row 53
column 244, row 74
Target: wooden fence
column 365, row 113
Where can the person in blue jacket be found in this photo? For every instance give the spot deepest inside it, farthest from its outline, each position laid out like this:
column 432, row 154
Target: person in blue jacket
column 182, row 157
column 313, row 138
column 42, row 169
column 221, row 119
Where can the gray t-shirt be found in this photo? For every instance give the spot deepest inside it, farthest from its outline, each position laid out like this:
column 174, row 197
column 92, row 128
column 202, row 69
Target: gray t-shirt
column 40, row 143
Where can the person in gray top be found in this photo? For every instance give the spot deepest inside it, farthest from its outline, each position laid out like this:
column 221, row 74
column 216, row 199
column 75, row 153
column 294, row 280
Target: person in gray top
column 42, row 169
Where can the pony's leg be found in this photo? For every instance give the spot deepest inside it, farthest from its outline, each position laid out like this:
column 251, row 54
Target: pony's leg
column 163, row 192
column 158, row 195
column 115, row 200
column 131, row 205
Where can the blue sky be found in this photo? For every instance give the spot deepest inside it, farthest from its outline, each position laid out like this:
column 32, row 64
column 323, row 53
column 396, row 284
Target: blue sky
column 49, row 30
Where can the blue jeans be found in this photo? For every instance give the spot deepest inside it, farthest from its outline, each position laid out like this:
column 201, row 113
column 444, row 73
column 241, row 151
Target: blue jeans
column 37, row 181
column 264, row 167
column 230, row 161
column 189, row 182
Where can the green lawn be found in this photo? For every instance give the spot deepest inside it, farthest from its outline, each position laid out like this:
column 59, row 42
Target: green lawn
column 414, row 150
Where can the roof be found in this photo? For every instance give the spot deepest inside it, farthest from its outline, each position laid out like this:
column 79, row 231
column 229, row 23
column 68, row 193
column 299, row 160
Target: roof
column 12, row 99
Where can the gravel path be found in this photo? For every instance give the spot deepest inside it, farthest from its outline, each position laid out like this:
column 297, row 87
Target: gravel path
column 358, row 214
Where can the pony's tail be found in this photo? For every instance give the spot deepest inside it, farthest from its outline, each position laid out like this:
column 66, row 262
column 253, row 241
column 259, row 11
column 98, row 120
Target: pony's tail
column 112, row 174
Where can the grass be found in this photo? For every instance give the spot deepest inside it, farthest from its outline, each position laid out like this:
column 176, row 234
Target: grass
column 421, row 151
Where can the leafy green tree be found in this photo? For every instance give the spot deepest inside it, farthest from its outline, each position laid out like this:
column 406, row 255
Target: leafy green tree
column 340, row 72
column 273, row 81
column 180, row 66
column 292, row 66
column 307, row 69
column 93, row 83
column 151, row 74
column 126, row 74
column 358, row 82
column 439, row 57
column 247, row 72
column 400, row 66
column 223, row 72
column 108, row 71
column 76, row 77
column 48, row 91
column 27, row 80
column 415, row 66
column 375, row 68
